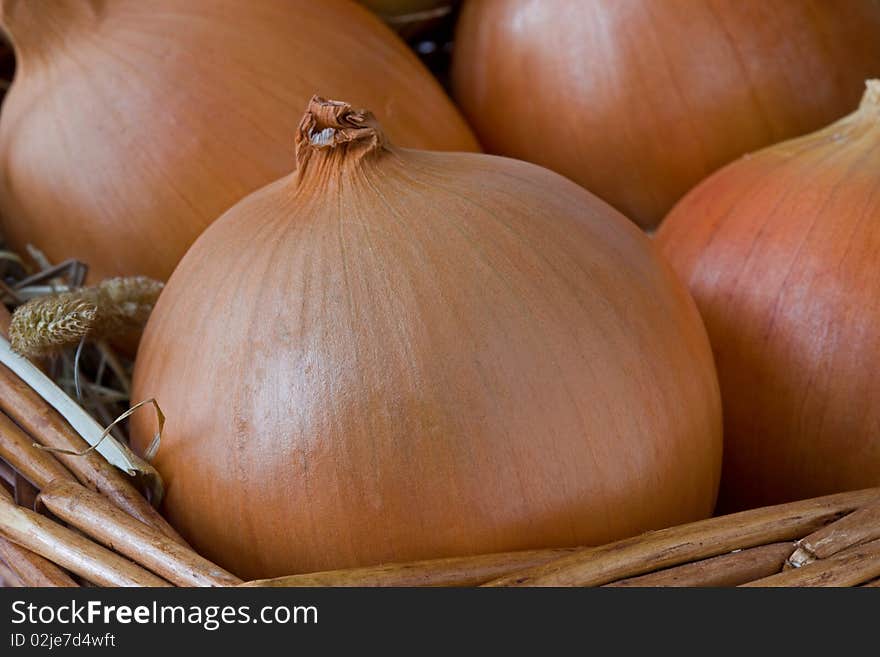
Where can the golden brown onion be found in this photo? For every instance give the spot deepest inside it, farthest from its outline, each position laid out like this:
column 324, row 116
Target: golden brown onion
column 782, row 253
column 132, row 125
column 398, row 354
column 638, row 100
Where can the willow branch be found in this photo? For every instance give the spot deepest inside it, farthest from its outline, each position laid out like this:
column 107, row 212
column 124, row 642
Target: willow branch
column 69, row 549
column 731, row 569
column 48, row 428
column 98, row 518
column 858, row 527
column 8, row 579
column 17, row 449
column 31, row 569
column 850, row 567
column 699, row 540
column 458, row 571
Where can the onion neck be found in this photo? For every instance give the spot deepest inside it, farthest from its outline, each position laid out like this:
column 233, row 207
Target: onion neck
column 333, row 138
column 32, row 25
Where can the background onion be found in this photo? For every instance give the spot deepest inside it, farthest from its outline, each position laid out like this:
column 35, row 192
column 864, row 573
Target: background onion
column 401, row 354
column 131, row 125
column 638, row 100
column 781, row 251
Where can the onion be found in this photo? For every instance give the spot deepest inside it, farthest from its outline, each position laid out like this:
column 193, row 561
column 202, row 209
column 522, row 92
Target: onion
column 131, row 126
column 397, row 355
column 781, row 251
column 639, row 100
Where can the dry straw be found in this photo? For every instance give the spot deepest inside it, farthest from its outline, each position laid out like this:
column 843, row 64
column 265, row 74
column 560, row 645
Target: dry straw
column 53, row 322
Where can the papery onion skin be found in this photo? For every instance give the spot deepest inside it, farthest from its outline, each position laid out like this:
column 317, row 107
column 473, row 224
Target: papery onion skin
column 639, row 100
column 130, row 126
column 781, row 250
column 397, row 354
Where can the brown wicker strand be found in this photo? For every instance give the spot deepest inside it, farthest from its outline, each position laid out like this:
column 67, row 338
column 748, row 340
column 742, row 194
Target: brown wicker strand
column 850, row 567
column 68, row 549
column 456, row 571
column 95, row 516
column 731, row 569
column 858, row 527
column 699, row 540
column 8, row 578
column 17, row 449
column 31, row 569
column 48, row 428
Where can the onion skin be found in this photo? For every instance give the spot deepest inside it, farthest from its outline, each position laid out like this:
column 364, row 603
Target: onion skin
column 396, row 355
column 130, row 126
column 780, row 250
column 639, row 100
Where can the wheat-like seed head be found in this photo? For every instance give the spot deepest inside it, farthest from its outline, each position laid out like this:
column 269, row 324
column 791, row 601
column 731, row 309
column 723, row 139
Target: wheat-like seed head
column 53, row 322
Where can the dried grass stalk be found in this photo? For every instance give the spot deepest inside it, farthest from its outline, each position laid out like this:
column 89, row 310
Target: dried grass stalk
column 69, row 549
column 49, row 323
column 858, row 527
column 731, row 569
column 17, row 449
column 31, row 569
column 45, row 325
column 850, row 567
column 47, row 427
column 458, row 571
column 98, row 518
column 699, row 540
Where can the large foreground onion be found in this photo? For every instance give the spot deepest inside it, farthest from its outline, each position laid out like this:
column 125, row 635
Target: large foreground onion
column 782, row 252
column 400, row 354
column 132, row 125
column 638, row 100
